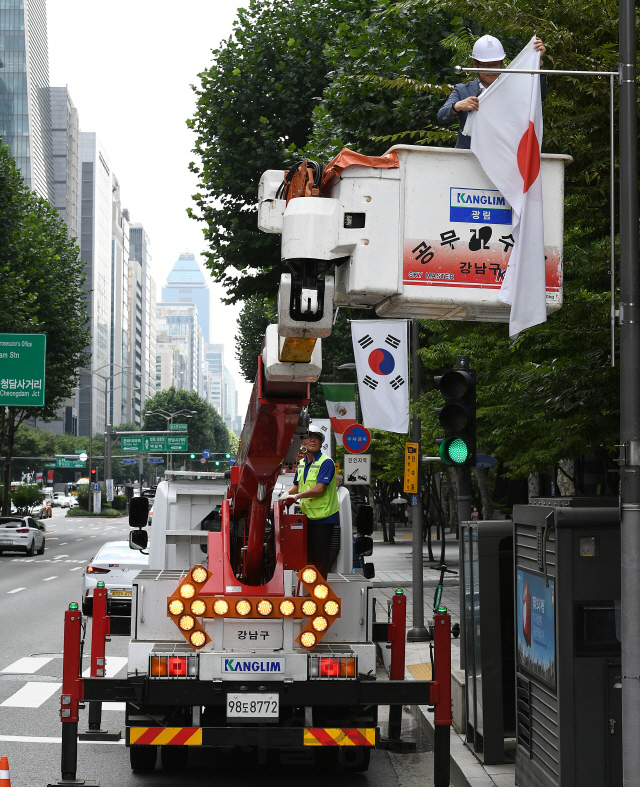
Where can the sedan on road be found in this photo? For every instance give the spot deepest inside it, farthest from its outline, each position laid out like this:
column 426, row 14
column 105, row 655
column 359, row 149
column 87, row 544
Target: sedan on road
column 21, row 534
column 116, row 564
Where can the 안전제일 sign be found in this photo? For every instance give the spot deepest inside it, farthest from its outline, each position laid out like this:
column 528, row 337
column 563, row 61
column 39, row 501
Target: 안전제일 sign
column 22, row 369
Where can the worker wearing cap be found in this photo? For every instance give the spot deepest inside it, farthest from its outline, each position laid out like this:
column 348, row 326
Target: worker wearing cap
column 315, row 489
column 488, row 52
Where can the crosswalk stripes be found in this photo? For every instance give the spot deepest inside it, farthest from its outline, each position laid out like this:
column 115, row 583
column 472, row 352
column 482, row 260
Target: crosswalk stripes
column 114, row 665
column 31, row 695
column 27, row 665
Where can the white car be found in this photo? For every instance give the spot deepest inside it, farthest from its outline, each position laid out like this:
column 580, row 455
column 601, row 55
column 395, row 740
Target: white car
column 116, row 564
column 21, row 534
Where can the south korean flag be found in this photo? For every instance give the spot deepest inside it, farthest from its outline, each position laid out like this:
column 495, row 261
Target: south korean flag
column 381, row 353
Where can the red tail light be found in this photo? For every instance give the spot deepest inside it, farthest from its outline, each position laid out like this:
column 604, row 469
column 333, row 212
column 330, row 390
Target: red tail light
column 96, row 570
column 177, row 666
column 22, row 530
column 329, row 667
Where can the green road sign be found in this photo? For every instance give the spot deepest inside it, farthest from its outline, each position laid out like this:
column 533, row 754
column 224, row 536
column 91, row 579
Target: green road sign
column 69, row 463
column 177, row 443
column 133, row 444
column 80, row 451
column 154, row 442
column 178, row 427
column 22, row 369
column 49, row 464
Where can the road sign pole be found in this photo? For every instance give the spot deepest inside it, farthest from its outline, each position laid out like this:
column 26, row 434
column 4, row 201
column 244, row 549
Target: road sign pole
column 418, row 632
column 629, row 397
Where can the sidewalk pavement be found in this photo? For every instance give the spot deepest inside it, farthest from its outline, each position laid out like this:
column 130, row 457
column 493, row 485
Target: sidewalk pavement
column 393, row 563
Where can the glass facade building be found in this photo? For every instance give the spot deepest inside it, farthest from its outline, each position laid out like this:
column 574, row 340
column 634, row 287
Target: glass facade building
column 25, row 111
column 186, row 284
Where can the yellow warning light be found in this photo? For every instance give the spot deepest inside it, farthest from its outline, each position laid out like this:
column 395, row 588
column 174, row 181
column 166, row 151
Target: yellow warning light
column 186, row 623
column 287, row 607
column 321, row 591
column 319, row 623
column 243, row 607
column 331, row 608
column 197, row 639
column 198, row 607
column 176, row 607
column 308, row 639
column 187, row 590
column 264, row 607
column 309, row 576
column 220, row 607
column 309, row 608
column 199, row 574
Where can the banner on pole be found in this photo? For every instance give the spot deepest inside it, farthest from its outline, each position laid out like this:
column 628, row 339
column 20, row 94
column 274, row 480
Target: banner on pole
column 109, row 485
column 97, row 502
column 380, row 348
column 341, row 406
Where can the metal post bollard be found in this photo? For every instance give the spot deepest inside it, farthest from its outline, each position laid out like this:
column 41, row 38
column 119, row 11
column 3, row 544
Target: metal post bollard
column 442, row 715
column 397, row 635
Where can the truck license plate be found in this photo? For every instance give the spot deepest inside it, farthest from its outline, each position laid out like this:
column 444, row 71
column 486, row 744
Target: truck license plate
column 126, row 593
column 253, row 707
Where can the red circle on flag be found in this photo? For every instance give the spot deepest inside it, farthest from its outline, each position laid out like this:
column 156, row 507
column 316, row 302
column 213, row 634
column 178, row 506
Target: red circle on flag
column 529, row 157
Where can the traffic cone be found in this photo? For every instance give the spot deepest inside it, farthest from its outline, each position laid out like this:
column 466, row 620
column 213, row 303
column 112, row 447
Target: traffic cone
column 5, row 776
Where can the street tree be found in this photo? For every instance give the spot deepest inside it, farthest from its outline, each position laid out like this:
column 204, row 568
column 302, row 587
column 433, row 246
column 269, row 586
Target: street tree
column 206, row 428
column 36, row 255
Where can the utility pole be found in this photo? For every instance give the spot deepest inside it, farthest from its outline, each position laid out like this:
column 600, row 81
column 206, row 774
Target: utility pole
column 418, row 632
column 629, row 397
column 464, row 515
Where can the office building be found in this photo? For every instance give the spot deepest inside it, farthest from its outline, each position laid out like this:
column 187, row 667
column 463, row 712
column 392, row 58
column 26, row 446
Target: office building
column 230, row 400
column 139, row 251
column 120, row 387
column 65, row 129
column 179, row 348
column 214, row 365
column 25, row 111
column 186, row 284
column 95, row 250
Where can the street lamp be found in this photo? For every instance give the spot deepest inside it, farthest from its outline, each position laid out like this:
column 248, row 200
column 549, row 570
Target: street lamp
column 169, row 416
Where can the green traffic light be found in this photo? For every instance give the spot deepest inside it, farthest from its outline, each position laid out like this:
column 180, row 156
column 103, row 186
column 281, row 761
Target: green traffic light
column 454, row 451
column 228, row 456
column 217, row 464
column 193, row 456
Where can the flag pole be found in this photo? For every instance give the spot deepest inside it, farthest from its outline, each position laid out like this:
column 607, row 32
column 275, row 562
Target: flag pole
column 418, row 633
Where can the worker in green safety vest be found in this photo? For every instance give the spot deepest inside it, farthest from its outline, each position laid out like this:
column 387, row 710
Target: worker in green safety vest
column 315, row 489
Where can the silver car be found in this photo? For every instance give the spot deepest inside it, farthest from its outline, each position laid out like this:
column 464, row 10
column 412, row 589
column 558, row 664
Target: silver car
column 116, row 564
column 21, row 534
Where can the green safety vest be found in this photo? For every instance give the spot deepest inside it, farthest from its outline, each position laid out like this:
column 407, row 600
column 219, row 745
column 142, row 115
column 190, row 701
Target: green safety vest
column 317, row 507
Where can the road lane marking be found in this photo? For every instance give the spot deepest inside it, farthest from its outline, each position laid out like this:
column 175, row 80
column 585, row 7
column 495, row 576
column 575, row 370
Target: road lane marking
column 31, row 695
column 32, row 739
column 77, row 568
column 64, row 544
column 120, row 706
column 28, row 664
column 78, row 539
column 114, row 665
column 49, row 578
column 17, row 590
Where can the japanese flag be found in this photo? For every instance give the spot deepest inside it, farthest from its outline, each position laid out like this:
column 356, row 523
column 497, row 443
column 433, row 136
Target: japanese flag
column 380, row 350
column 506, row 136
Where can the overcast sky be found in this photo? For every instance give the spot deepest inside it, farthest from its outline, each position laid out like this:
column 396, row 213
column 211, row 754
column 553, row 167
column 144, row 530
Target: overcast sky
column 129, row 65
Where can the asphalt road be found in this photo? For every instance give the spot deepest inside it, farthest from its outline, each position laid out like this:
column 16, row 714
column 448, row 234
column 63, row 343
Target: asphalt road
column 34, row 593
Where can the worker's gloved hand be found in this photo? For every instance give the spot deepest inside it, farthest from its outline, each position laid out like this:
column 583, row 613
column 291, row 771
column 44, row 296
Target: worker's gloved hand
column 288, row 501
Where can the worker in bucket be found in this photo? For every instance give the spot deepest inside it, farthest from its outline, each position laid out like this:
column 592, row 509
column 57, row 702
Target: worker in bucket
column 489, row 52
column 315, row 489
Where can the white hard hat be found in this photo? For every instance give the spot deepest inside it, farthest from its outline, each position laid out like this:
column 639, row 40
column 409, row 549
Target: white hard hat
column 315, row 428
column 488, row 50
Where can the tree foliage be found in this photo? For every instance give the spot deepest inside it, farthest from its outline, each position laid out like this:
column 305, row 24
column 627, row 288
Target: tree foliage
column 207, row 430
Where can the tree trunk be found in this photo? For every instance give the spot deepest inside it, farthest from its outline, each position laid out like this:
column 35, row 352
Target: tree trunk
column 6, row 476
column 534, row 485
column 482, row 474
column 566, row 477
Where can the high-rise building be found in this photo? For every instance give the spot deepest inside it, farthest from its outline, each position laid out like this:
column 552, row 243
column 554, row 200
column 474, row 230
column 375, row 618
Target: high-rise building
column 95, row 250
column 186, row 284
column 120, row 388
column 214, row 365
column 179, row 347
column 230, row 400
column 25, row 110
column 139, row 251
column 65, row 129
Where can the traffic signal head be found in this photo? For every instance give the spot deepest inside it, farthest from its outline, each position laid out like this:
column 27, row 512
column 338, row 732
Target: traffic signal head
column 217, row 463
column 94, row 473
column 228, row 456
column 458, row 417
column 192, row 456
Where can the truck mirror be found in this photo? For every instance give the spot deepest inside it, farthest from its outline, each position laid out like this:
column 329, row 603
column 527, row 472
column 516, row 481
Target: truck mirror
column 364, row 520
column 138, row 539
column 369, row 571
column 364, row 545
column 138, row 511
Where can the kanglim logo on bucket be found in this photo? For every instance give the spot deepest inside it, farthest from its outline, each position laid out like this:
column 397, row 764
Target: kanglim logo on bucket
column 253, row 665
column 486, row 206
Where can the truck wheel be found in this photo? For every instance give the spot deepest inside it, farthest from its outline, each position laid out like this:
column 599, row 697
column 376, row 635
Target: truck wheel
column 143, row 758
column 354, row 759
column 174, row 758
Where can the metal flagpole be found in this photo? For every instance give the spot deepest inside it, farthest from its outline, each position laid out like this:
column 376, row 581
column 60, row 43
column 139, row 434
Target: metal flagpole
column 629, row 397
